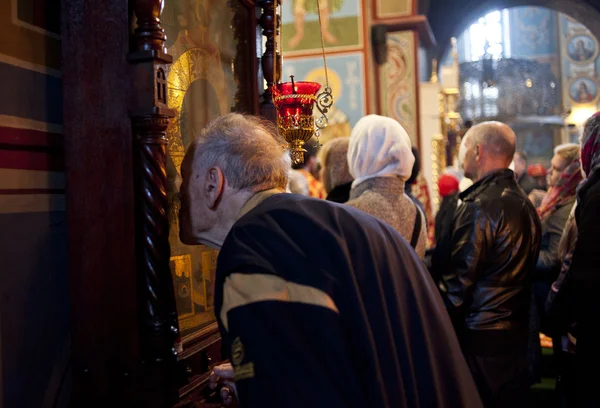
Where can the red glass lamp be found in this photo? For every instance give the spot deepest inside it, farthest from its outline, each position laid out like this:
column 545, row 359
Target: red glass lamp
column 295, row 102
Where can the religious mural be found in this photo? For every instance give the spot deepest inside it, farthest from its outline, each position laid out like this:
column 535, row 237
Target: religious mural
column 398, row 87
column 346, row 79
column 582, row 48
column 533, row 32
column 580, row 63
column 341, row 23
column 202, row 86
column 583, row 90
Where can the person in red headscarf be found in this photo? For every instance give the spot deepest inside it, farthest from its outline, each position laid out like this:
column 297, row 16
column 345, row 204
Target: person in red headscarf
column 537, row 174
column 585, row 268
column 448, row 188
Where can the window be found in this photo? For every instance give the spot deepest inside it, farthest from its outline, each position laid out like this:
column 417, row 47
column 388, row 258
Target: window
column 489, row 33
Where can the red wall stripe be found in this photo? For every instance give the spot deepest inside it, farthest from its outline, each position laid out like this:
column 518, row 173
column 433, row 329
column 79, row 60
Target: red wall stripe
column 32, row 160
column 30, row 137
column 30, row 191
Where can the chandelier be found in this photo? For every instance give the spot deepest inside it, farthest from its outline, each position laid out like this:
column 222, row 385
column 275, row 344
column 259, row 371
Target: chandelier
column 295, row 102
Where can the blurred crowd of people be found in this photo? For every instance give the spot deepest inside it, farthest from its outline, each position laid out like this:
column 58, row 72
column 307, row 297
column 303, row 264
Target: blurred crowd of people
column 552, row 191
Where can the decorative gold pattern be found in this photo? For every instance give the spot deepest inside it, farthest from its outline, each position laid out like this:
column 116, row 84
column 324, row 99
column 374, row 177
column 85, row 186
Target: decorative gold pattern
column 193, row 64
column 296, row 130
column 308, row 97
column 438, row 160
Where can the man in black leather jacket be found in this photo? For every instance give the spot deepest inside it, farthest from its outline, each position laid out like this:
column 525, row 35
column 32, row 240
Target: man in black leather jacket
column 485, row 264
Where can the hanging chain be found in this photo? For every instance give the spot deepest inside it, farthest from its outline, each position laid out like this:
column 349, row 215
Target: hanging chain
column 323, row 45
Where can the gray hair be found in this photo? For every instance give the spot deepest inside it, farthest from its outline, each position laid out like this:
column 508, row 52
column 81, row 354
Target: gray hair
column 497, row 137
column 247, row 149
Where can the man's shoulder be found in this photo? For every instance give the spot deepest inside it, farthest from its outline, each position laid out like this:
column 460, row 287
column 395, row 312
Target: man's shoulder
column 293, row 214
column 504, row 193
column 498, row 200
column 291, row 229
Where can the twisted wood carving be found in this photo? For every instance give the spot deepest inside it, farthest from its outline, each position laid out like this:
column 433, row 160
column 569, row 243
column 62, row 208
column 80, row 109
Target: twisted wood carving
column 159, row 317
column 150, row 116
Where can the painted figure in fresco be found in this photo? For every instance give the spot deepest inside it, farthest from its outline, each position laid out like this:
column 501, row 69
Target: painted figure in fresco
column 583, row 93
column 301, row 7
column 581, row 52
column 192, row 19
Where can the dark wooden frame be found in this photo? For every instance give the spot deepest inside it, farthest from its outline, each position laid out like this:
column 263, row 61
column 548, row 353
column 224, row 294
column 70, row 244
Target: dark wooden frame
column 123, row 317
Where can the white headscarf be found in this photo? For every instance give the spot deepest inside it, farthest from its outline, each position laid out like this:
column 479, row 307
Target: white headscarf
column 379, row 146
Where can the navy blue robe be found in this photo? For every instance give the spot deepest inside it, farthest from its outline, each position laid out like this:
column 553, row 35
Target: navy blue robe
column 322, row 305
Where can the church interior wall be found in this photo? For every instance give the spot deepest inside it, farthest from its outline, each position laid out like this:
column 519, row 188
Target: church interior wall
column 580, row 68
column 353, row 74
column 34, row 333
column 550, row 38
column 346, row 46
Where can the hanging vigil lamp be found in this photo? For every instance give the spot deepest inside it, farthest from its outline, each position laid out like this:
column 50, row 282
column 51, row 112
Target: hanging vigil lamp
column 295, row 102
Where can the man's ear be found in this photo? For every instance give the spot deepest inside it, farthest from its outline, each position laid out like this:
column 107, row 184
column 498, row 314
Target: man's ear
column 478, row 152
column 214, row 187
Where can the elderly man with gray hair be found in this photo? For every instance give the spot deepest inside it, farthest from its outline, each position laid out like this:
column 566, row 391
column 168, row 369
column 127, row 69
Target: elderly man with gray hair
column 486, row 262
column 319, row 304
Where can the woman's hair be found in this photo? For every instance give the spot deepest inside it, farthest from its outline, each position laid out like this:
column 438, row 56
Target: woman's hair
column 334, row 159
column 416, row 169
column 568, row 151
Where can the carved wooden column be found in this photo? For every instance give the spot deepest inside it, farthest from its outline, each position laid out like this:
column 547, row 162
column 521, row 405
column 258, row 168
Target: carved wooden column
column 270, row 26
column 150, row 117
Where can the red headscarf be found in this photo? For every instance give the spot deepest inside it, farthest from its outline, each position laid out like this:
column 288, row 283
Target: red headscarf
column 447, row 184
column 536, row 170
column 590, row 151
column 563, row 191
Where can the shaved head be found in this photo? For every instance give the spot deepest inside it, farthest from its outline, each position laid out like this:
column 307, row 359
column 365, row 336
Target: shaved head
column 499, row 140
column 487, row 146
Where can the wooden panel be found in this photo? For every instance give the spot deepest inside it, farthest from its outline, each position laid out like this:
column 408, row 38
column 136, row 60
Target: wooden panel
column 98, row 150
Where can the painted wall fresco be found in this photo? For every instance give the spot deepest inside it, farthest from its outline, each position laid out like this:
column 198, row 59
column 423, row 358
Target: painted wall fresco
column 533, row 32
column 341, row 22
column 346, row 79
column 580, row 64
column 398, row 85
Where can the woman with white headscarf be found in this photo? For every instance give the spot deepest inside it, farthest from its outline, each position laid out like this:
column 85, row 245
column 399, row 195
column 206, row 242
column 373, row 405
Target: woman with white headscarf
column 380, row 160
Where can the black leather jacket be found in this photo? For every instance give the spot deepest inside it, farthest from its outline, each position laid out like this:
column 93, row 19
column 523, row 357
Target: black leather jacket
column 488, row 257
